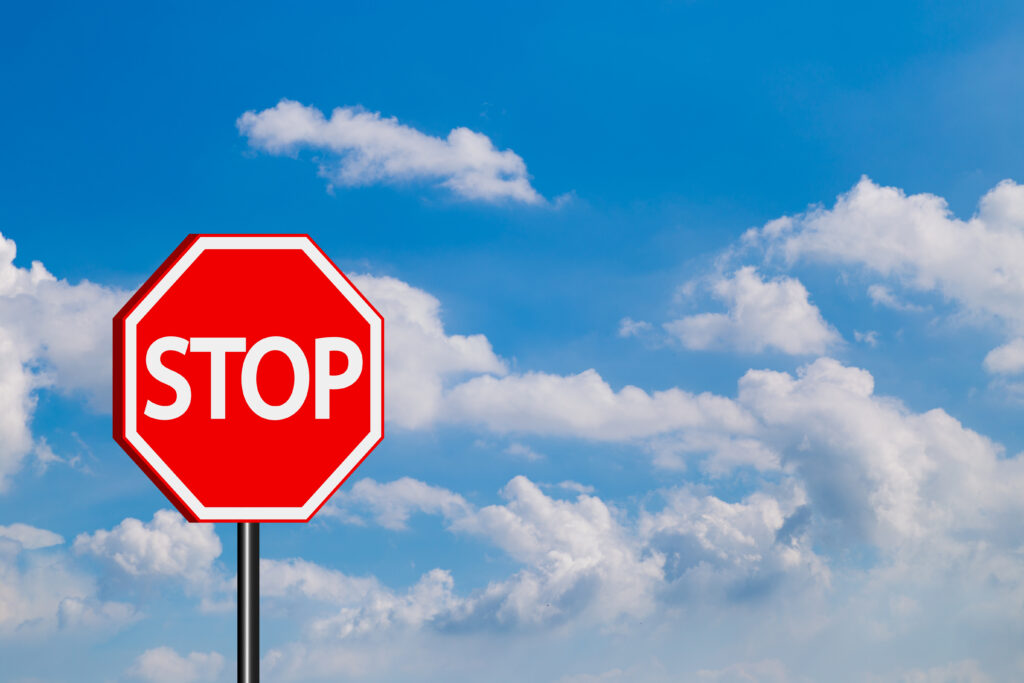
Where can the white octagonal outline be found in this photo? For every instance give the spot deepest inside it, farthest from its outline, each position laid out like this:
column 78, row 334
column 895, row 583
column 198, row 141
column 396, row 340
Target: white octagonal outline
column 219, row 514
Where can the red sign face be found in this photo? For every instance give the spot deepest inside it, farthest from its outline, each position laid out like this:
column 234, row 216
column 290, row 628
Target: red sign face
column 248, row 378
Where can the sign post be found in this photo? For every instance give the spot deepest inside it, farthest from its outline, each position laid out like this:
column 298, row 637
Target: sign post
column 248, row 385
column 248, row 602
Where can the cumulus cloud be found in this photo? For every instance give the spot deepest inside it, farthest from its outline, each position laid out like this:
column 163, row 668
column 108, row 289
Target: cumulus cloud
column 919, row 243
column 37, row 310
column 715, row 549
column 1007, row 359
column 366, row 148
column 164, row 665
column 52, row 334
column 763, row 315
column 167, row 547
column 887, row 475
column 579, row 559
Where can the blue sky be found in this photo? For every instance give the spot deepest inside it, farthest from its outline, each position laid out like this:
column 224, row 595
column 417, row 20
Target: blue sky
column 704, row 330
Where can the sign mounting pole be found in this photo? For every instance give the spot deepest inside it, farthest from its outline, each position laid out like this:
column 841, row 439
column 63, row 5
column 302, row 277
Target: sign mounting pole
column 248, row 602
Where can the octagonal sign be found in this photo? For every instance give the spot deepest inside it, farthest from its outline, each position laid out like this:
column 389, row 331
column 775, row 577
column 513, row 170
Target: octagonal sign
column 248, row 378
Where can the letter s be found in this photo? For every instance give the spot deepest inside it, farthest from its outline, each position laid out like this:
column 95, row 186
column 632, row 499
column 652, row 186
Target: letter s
column 164, row 375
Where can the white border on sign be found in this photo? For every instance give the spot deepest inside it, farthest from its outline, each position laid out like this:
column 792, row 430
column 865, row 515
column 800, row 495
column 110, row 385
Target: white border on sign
column 216, row 514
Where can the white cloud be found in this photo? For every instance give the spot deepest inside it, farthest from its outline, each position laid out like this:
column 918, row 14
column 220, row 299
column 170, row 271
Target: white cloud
column 30, row 537
column 420, row 357
column 62, row 325
column 41, row 592
column 714, row 548
column 898, row 479
column 164, row 665
column 299, row 578
column 870, row 337
column 583, row 564
column 585, row 406
column 1007, row 359
column 574, row 487
column 52, row 334
column 368, row 148
column 16, row 405
column 914, row 239
column 883, row 296
column 763, row 315
column 166, row 547
column 392, row 504
column 354, row 616
column 633, row 328
column 966, row 671
column 768, row 671
column 653, row 672
column 521, row 450
column 579, row 560
column 379, row 609
column 368, row 659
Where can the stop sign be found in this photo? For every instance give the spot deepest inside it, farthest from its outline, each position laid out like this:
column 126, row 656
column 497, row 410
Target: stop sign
column 248, row 378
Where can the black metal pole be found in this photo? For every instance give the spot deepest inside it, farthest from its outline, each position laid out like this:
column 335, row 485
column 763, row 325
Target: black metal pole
column 248, row 602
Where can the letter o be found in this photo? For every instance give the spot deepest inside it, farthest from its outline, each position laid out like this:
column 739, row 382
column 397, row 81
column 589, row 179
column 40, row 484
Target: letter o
column 300, row 368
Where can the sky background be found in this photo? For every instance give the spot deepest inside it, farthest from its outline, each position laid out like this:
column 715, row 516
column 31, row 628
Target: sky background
column 705, row 332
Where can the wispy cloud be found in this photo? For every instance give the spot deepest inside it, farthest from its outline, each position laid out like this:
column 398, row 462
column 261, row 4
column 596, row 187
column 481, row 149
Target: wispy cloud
column 364, row 147
column 883, row 296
